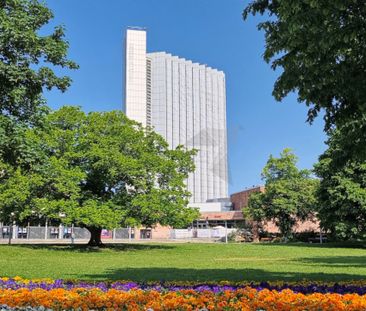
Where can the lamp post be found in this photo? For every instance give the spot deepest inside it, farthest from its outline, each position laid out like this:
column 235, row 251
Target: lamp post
column 11, row 227
column 46, row 229
column 225, row 231
column 61, row 226
column 72, row 234
column 129, row 233
column 33, row 213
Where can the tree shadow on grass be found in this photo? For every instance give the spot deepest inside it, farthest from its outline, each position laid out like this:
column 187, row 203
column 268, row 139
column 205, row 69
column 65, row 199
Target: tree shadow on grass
column 83, row 248
column 214, row 275
column 353, row 245
column 336, row 261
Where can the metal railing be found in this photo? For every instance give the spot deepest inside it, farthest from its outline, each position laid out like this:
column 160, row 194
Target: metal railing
column 209, row 233
column 57, row 233
column 61, row 232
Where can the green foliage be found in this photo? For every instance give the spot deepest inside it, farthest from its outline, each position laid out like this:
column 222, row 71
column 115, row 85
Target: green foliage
column 342, row 191
column 255, row 209
column 43, row 191
column 100, row 170
column 320, row 47
column 28, row 177
column 289, row 194
column 24, row 54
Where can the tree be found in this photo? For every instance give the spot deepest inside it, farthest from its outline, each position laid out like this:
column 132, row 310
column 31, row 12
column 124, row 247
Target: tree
column 36, row 183
column 342, row 190
column 289, row 194
column 321, row 48
column 25, row 60
column 29, row 195
column 255, row 213
column 24, row 56
column 103, row 171
column 21, row 158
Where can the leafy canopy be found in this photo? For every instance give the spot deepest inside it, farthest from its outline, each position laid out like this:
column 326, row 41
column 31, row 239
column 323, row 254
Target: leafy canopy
column 24, row 56
column 320, row 47
column 26, row 59
column 289, row 194
column 101, row 170
column 342, row 190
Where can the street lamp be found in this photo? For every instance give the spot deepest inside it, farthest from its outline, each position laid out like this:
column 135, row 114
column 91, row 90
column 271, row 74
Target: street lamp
column 225, row 231
column 12, row 214
column 61, row 226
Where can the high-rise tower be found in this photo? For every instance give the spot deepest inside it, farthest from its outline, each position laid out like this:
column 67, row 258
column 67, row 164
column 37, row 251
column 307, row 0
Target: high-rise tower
column 135, row 74
column 185, row 102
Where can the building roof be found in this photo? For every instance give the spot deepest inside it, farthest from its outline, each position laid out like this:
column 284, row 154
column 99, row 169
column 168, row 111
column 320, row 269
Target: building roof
column 136, row 28
column 231, row 215
column 259, row 187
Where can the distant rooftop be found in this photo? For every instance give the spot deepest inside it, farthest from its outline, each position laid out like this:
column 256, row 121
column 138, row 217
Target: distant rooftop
column 161, row 53
column 136, row 28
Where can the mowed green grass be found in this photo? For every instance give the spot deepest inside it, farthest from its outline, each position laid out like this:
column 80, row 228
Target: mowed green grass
column 186, row 262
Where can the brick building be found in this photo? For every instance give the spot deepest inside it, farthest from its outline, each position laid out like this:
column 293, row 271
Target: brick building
column 240, row 199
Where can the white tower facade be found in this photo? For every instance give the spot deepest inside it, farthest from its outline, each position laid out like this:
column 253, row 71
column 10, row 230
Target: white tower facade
column 185, row 102
column 135, row 75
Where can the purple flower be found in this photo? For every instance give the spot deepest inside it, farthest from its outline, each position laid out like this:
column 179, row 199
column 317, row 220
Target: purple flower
column 305, row 288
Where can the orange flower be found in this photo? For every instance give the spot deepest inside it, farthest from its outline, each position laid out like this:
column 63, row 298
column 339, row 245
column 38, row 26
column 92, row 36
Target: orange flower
column 241, row 299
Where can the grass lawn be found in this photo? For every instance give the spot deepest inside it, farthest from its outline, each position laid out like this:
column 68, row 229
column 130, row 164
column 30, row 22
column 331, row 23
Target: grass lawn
column 184, row 262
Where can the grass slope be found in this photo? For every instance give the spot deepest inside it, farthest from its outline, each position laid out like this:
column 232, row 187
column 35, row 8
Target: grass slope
column 200, row 262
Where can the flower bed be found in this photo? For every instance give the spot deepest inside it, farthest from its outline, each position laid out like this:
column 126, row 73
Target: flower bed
column 67, row 295
column 305, row 287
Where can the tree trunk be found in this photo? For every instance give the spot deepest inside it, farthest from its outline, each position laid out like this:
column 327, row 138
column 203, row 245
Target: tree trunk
column 10, row 231
column 255, row 231
column 95, row 239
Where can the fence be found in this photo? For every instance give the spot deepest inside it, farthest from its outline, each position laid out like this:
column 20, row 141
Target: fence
column 64, row 232
column 57, row 233
column 209, row 233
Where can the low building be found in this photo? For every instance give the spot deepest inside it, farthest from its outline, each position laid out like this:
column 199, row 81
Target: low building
column 217, row 212
column 229, row 219
column 240, row 199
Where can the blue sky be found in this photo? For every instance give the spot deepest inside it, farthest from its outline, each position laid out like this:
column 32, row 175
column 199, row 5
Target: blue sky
column 206, row 31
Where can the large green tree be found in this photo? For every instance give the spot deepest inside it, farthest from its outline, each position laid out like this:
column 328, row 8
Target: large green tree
column 35, row 180
column 26, row 57
column 320, row 47
column 27, row 63
column 342, row 191
column 289, row 194
column 102, row 170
